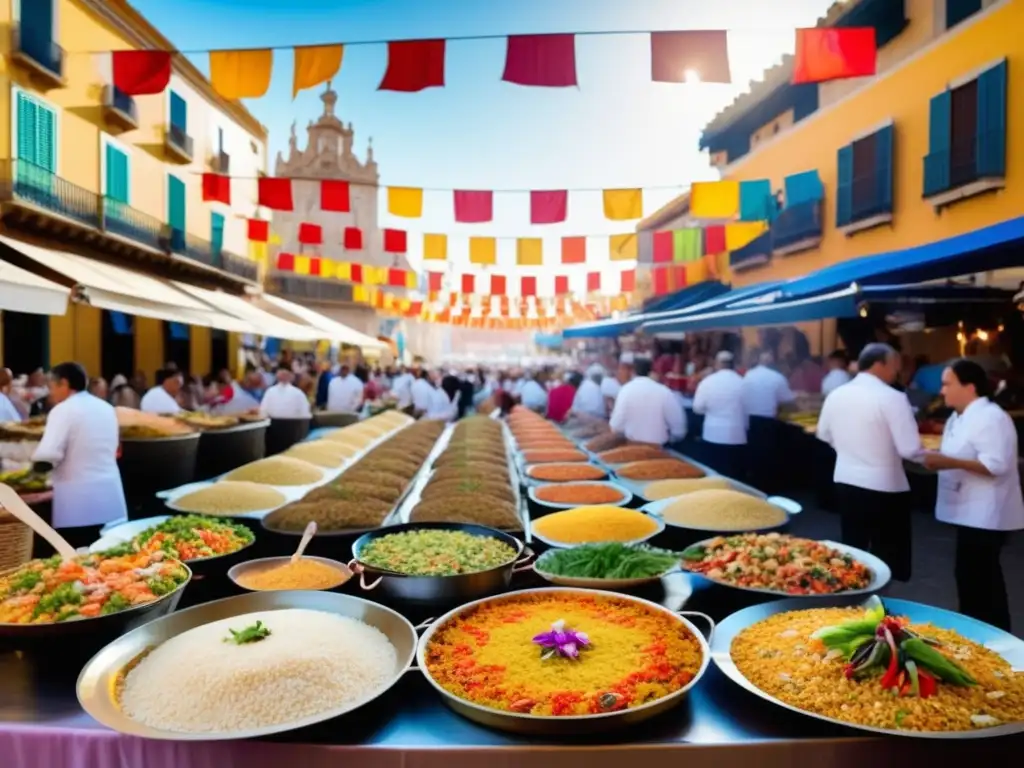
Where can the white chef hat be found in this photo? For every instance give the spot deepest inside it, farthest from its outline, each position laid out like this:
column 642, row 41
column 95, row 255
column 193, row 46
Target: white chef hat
column 725, row 356
column 595, row 370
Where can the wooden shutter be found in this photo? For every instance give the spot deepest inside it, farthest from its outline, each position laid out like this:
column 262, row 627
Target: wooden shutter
column 844, row 186
column 176, row 203
column 179, row 112
column 991, row 130
column 216, row 236
column 28, row 119
column 884, row 168
column 936, row 163
column 117, row 175
column 46, row 139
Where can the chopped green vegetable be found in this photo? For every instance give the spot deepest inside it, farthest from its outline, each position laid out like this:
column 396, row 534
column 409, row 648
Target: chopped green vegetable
column 251, row 634
column 116, row 603
column 609, row 561
column 942, row 666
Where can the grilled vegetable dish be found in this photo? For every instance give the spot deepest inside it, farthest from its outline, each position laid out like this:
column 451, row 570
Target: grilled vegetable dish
column 189, row 537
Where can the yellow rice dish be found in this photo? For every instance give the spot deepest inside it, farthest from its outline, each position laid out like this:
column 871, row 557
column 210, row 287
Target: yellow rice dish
column 278, row 470
column 562, row 654
column 595, row 524
column 723, row 511
column 668, row 489
column 305, row 573
column 780, row 657
column 322, row 453
column 230, row 498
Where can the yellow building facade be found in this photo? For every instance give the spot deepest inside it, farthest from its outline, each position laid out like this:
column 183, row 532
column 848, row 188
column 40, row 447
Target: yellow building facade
column 99, row 174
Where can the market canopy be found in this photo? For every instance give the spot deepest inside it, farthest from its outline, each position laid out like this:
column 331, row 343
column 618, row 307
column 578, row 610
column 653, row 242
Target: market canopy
column 983, row 250
column 249, row 316
column 328, row 328
column 21, row 291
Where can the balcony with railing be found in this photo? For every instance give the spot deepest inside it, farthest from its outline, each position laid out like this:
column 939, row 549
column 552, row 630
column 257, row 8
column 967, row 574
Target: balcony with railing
column 178, row 143
column 120, row 108
column 36, row 50
column 313, row 289
column 797, row 228
column 220, row 162
column 240, row 266
column 124, row 221
column 970, row 166
column 755, row 253
column 43, row 191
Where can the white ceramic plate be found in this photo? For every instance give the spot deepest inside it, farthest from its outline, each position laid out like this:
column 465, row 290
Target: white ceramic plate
column 655, row 508
column 627, row 495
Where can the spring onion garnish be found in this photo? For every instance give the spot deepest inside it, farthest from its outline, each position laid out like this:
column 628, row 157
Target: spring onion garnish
column 251, row 634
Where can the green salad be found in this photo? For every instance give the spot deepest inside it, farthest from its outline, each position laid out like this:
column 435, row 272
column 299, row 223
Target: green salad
column 608, row 561
column 436, row 553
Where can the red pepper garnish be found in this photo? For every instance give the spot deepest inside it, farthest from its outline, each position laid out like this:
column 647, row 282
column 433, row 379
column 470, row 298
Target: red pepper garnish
column 926, row 683
column 892, row 674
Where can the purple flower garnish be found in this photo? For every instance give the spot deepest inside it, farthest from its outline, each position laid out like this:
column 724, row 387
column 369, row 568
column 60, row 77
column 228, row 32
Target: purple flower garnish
column 561, row 641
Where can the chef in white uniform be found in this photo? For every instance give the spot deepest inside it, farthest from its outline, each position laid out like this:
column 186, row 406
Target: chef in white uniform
column 589, row 400
column 647, row 411
column 719, row 397
column 345, row 392
column 81, row 442
column 163, row 398
column 765, row 389
column 838, row 372
column 979, row 490
column 284, row 400
column 422, row 391
column 401, row 388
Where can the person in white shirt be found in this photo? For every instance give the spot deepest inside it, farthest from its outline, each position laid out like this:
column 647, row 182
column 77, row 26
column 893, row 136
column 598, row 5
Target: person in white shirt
column 765, row 389
column 838, row 373
column 979, row 490
column 533, row 395
column 163, row 398
column 612, row 385
column 345, row 392
column 401, row 388
column 284, row 400
column 8, row 410
column 871, row 426
column 646, row 411
column 422, row 392
column 719, row 398
column 444, row 400
column 589, row 400
column 80, row 442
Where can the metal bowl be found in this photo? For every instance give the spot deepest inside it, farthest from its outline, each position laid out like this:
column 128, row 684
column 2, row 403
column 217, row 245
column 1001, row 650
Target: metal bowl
column 591, row 583
column 1006, row 645
column 97, row 682
column 881, row 575
column 448, row 590
column 569, row 724
column 627, row 495
column 266, row 563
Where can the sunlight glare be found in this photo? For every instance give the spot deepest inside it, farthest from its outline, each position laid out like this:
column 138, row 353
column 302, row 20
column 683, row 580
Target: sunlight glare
column 691, row 76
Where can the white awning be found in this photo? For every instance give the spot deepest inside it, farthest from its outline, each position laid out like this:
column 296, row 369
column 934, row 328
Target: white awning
column 258, row 321
column 331, row 329
column 21, row 291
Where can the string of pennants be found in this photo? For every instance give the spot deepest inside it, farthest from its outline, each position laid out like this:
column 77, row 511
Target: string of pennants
column 546, row 61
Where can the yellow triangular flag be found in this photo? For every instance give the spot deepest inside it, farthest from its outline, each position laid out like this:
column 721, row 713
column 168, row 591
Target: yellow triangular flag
column 623, row 204
column 623, row 247
column 483, row 250
column 412, row 280
column 714, row 199
column 529, row 252
column 302, row 265
column 405, row 201
column 328, row 268
column 742, row 233
column 241, row 74
column 343, row 271
column 435, row 247
column 315, row 64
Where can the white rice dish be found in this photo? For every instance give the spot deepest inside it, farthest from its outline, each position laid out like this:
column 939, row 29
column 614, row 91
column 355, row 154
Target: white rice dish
column 311, row 662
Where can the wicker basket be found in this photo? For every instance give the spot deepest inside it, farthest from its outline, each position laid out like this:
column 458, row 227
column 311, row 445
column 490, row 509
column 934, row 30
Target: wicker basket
column 15, row 542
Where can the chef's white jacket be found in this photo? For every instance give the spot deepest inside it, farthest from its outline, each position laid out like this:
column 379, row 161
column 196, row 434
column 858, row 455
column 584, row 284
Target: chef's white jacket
column 285, row 401
column 401, row 388
column 441, row 407
column 833, row 380
column 422, row 395
column 8, row 411
column 589, row 400
column 720, row 398
column 159, row 400
column 872, row 428
column 610, row 387
column 345, row 394
column 241, row 401
column 81, row 440
column 764, row 390
column 648, row 412
column 984, row 432
column 533, row 395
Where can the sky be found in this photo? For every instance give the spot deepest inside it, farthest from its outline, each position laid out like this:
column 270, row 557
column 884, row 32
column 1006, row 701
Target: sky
column 616, row 130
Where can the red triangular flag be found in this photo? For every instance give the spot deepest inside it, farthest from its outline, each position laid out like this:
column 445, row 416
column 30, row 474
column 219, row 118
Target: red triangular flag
column 528, row 286
column 703, row 52
column 395, row 241
column 141, row 73
column 678, row 277
column 258, row 230
column 541, row 60
column 286, row 262
column 216, row 188
column 834, row 53
column 574, row 250
column 593, row 281
column 415, row 308
column 714, row 240
column 311, row 234
column 660, row 280
column 434, row 281
column 663, row 247
column 314, row 266
column 549, row 206
column 275, row 194
column 627, row 281
column 334, row 196
column 396, row 278
column 497, row 285
column 561, row 285
column 468, row 284
column 356, row 273
column 414, row 65
column 353, row 239
column 473, row 207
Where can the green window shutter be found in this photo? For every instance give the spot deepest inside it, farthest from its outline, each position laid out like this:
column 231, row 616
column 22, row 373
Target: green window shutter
column 117, row 174
column 28, row 120
column 883, row 168
column 991, row 122
column 46, row 140
column 936, row 163
column 216, row 236
column 176, row 203
column 844, row 186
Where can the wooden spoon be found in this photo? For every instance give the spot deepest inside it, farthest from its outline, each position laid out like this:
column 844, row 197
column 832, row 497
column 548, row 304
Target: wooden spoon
column 307, row 537
column 12, row 502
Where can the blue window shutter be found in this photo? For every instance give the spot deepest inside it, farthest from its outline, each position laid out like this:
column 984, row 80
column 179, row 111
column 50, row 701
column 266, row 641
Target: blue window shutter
column 117, row 174
column 936, row 163
column 844, row 187
column 28, row 120
column 216, row 236
column 959, row 10
column 991, row 126
column 46, row 139
column 179, row 112
column 176, row 203
column 883, row 168
column 36, row 25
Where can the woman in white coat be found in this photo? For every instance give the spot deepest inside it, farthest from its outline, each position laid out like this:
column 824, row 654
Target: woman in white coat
column 80, row 443
column 979, row 489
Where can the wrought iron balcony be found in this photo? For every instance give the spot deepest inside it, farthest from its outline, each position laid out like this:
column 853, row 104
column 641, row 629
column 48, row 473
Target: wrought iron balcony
column 123, row 220
column 178, row 143
column 200, row 250
column 313, row 288
column 221, row 163
column 240, row 266
column 42, row 190
column 36, row 50
column 797, row 228
column 120, row 108
column 968, row 161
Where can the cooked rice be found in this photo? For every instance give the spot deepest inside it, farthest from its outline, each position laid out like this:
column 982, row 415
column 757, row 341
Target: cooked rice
column 278, row 470
column 321, row 453
column 329, row 515
column 230, row 498
column 310, row 663
column 723, row 510
column 667, row 489
column 778, row 656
